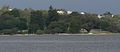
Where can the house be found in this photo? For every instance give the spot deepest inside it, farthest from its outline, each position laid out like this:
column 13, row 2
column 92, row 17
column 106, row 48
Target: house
column 62, row 12
column 106, row 14
column 69, row 12
column 100, row 16
column 10, row 9
column 82, row 13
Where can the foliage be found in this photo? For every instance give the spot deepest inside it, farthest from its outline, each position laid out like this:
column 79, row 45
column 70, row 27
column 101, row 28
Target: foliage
column 9, row 31
column 57, row 27
column 15, row 13
column 49, row 21
column 52, row 15
column 39, row 32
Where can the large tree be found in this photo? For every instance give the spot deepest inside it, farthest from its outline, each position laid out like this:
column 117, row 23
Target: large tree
column 52, row 15
column 37, row 21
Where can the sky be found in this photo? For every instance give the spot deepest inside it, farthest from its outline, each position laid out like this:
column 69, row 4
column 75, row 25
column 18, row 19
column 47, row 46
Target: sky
column 93, row 6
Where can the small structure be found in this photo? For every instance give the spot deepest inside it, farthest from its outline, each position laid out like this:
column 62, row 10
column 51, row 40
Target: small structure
column 82, row 13
column 106, row 14
column 10, row 9
column 61, row 12
column 100, row 16
column 83, row 31
column 69, row 12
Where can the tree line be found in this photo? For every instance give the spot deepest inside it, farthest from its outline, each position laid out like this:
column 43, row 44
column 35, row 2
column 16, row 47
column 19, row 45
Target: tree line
column 18, row 21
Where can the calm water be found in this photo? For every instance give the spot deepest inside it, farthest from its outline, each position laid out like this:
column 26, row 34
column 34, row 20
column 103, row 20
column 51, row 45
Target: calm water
column 60, row 43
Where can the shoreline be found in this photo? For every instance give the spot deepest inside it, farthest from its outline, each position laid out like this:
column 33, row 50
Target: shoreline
column 65, row 34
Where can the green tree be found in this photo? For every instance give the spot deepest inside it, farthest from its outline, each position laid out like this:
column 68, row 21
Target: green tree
column 15, row 12
column 52, row 15
column 57, row 27
column 90, row 21
column 37, row 21
column 21, row 24
column 75, row 24
column 7, row 22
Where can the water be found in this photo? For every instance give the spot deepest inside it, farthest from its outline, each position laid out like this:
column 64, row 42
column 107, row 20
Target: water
column 60, row 43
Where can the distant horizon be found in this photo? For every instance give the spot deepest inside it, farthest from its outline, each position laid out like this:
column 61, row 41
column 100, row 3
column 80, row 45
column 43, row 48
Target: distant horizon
column 92, row 6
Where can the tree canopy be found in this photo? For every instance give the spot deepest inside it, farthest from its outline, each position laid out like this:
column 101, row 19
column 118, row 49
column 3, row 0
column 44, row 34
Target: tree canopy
column 49, row 21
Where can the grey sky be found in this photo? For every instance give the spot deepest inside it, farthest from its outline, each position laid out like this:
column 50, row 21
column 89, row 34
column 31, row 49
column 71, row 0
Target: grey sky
column 94, row 6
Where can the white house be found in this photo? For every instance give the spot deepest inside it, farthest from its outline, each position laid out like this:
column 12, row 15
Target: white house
column 10, row 9
column 69, row 12
column 100, row 16
column 64, row 12
column 82, row 13
column 113, row 15
column 61, row 12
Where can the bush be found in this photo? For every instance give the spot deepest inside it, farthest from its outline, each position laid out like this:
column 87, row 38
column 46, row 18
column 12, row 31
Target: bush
column 23, row 32
column 40, row 32
column 57, row 27
column 9, row 31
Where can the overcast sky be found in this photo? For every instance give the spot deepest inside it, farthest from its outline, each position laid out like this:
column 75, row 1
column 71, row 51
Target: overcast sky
column 94, row 6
